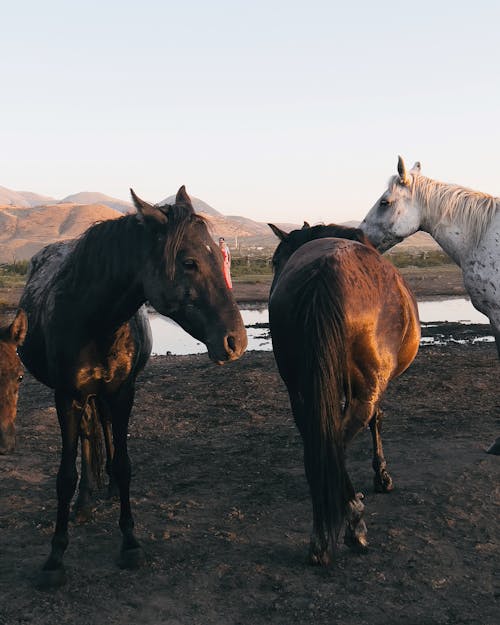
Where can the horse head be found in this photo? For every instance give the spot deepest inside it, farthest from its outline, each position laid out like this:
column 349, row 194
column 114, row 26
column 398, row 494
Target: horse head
column 11, row 374
column 183, row 277
column 396, row 214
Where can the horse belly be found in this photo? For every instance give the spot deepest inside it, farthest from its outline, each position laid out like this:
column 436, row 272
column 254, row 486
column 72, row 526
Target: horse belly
column 481, row 272
column 34, row 357
column 101, row 369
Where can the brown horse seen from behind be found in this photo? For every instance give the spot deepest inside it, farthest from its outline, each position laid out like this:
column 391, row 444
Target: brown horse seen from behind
column 343, row 324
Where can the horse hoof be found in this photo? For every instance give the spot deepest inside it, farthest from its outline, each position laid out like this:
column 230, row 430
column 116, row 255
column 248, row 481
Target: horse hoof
column 358, row 544
column 356, row 537
column 319, row 553
column 51, row 579
column 319, row 558
column 495, row 448
column 383, row 483
column 113, row 492
column 83, row 515
column 131, row 558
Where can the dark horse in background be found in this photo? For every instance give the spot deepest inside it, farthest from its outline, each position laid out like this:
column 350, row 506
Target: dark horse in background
column 11, row 374
column 88, row 336
column 343, row 324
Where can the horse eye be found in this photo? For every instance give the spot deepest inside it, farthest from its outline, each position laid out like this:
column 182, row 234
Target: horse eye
column 20, row 378
column 189, row 263
column 384, row 202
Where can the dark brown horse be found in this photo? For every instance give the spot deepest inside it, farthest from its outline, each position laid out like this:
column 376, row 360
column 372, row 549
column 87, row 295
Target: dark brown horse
column 11, row 374
column 88, row 336
column 343, row 324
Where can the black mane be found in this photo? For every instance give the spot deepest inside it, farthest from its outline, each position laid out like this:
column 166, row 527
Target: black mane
column 297, row 238
column 116, row 247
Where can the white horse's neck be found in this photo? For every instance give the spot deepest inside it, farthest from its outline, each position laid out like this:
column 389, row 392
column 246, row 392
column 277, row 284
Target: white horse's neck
column 454, row 216
column 451, row 238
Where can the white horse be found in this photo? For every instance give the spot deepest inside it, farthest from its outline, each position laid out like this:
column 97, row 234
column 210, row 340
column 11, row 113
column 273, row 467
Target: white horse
column 465, row 223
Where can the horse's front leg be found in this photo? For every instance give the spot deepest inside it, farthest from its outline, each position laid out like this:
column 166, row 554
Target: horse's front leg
column 131, row 554
column 382, row 481
column 494, row 448
column 69, row 415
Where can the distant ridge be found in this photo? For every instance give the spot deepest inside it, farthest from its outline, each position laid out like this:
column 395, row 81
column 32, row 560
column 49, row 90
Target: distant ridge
column 25, row 230
column 34, row 199
column 28, row 221
column 93, row 197
column 199, row 205
column 12, row 198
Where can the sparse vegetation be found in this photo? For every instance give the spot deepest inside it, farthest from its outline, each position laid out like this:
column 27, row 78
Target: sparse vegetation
column 13, row 274
column 250, row 265
column 419, row 258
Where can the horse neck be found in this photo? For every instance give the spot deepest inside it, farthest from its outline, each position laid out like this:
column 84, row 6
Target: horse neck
column 452, row 239
column 110, row 303
column 108, row 290
column 434, row 200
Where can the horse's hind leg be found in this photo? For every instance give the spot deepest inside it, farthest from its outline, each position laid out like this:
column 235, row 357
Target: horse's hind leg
column 382, row 481
column 357, row 416
column 113, row 490
column 319, row 544
column 105, row 418
column 91, row 456
column 83, row 504
column 69, row 415
column 355, row 535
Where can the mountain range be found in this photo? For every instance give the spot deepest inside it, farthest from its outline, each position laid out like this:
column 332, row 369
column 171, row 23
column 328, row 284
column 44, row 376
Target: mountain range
column 29, row 221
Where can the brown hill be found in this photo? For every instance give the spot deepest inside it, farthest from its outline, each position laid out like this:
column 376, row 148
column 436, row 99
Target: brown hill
column 24, row 231
column 12, row 198
column 418, row 241
column 91, row 197
column 35, row 199
column 25, row 228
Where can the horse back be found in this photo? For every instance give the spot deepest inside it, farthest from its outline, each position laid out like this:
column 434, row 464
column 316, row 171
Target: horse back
column 380, row 313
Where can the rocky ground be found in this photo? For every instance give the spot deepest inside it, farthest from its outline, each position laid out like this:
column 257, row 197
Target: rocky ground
column 223, row 511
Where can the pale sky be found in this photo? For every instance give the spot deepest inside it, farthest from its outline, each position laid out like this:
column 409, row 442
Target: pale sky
column 275, row 110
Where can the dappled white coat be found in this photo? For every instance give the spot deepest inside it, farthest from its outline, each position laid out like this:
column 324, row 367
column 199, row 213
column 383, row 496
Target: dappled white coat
column 465, row 223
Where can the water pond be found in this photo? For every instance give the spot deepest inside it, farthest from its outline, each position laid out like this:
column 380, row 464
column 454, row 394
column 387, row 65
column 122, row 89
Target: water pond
column 168, row 337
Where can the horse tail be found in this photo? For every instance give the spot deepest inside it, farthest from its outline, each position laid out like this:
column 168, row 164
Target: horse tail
column 91, row 428
column 325, row 388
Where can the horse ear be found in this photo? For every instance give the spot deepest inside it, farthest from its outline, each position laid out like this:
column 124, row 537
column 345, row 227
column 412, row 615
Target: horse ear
column 19, row 327
column 182, row 197
column 403, row 176
column 148, row 210
column 281, row 234
column 305, row 226
column 416, row 168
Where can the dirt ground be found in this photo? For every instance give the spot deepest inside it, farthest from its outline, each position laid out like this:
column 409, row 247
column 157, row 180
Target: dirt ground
column 222, row 507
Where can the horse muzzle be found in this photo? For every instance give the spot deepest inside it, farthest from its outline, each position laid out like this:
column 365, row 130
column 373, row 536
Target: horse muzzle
column 232, row 346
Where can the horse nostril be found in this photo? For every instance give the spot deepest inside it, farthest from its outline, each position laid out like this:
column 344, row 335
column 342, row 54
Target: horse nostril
column 231, row 343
